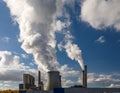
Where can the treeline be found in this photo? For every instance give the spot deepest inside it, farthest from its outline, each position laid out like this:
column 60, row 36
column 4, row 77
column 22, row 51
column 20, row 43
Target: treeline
column 9, row 91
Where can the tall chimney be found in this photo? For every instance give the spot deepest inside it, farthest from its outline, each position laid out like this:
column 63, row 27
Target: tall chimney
column 85, row 77
column 54, row 80
column 40, row 83
column 39, row 78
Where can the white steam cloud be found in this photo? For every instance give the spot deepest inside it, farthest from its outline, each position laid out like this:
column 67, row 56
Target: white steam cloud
column 74, row 53
column 36, row 35
column 71, row 49
column 37, row 20
column 101, row 13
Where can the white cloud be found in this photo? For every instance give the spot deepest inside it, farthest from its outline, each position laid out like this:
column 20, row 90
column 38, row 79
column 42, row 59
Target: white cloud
column 106, row 79
column 114, row 86
column 68, row 83
column 25, row 56
column 58, row 25
column 8, row 85
column 32, row 64
column 69, row 76
column 5, row 39
column 101, row 39
column 101, row 13
column 68, row 72
column 11, row 69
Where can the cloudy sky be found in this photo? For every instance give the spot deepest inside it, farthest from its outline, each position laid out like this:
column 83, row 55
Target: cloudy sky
column 61, row 35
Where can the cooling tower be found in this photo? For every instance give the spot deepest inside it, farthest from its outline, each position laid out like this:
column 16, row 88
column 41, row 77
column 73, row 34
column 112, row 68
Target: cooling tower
column 85, row 77
column 54, row 80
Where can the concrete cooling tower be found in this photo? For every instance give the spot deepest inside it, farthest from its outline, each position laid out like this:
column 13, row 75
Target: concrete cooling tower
column 54, row 80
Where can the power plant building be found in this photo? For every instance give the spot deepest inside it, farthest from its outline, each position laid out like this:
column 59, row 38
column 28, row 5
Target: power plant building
column 29, row 83
column 54, row 85
column 79, row 90
column 28, row 79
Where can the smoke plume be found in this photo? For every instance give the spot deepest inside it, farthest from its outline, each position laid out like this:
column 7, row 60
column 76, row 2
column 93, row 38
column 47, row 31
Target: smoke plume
column 72, row 50
column 36, row 20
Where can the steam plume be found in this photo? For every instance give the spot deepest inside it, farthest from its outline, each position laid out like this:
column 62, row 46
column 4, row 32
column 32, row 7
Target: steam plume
column 72, row 50
column 37, row 32
column 36, row 35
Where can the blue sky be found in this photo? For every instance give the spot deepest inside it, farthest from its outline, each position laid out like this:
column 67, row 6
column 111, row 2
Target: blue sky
column 94, row 38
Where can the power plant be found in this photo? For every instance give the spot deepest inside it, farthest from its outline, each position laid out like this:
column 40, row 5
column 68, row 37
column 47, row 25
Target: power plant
column 29, row 83
column 54, row 81
column 54, row 85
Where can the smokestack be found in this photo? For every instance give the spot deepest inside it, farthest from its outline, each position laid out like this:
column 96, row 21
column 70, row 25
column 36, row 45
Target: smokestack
column 85, row 77
column 40, row 83
column 54, row 80
column 39, row 78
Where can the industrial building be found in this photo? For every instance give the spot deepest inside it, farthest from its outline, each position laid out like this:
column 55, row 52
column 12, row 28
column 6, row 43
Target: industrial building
column 29, row 83
column 79, row 90
column 54, row 85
